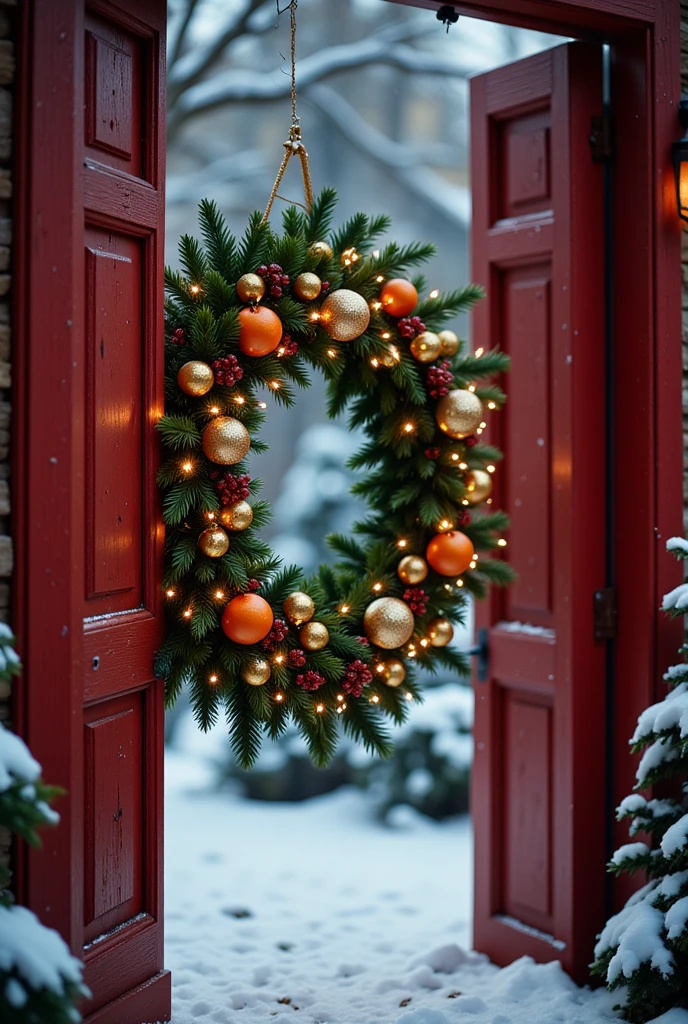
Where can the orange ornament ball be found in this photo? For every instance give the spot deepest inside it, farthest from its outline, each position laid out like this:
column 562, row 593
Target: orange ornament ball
column 260, row 331
column 247, row 619
column 398, row 297
column 450, row 553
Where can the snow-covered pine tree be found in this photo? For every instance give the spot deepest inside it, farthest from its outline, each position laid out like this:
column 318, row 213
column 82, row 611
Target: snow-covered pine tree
column 643, row 950
column 40, row 981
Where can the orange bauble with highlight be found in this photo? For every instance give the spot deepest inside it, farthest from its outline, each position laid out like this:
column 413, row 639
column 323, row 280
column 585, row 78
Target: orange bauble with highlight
column 398, row 297
column 247, row 619
column 261, row 331
column 450, row 553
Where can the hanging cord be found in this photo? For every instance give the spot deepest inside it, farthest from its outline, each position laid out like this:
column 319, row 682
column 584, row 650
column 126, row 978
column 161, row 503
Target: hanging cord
column 294, row 144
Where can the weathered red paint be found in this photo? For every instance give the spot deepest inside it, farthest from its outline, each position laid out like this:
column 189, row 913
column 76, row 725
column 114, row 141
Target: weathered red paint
column 89, row 390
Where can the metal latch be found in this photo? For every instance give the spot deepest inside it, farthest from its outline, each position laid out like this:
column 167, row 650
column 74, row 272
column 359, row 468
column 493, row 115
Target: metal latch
column 604, row 613
column 481, row 652
column 601, row 138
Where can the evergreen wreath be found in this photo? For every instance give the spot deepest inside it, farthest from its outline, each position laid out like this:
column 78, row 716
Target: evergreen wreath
column 244, row 632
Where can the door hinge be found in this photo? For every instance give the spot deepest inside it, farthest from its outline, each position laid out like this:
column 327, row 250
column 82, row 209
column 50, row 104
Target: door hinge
column 601, row 138
column 604, row 613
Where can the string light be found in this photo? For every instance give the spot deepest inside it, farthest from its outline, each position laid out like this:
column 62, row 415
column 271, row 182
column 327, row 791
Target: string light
column 483, row 425
column 262, row 405
column 214, row 410
column 472, row 565
column 315, row 316
column 219, row 594
column 320, row 708
column 213, row 679
column 479, row 352
column 210, row 515
column 471, row 387
column 279, row 658
column 187, row 613
column 465, row 501
column 379, row 279
column 340, row 697
column 424, row 642
column 187, row 466
column 501, row 543
column 375, row 699
column 239, row 399
column 343, row 609
column 377, row 587
column 275, row 385
column 376, row 305
column 170, row 593
column 489, row 501
column 490, row 469
column 463, row 465
column 408, row 428
column 379, row 668
column 455, row 457
column 402, row 542
column 376, row 254
column 491, row 405
column 331, row 353
column 447, row 587
column 434, row 293
column 385, row 335
column 444, row 524
column 280, row 351
column 279, row 697
column 409, row 696
column 459, row 583
column 395, row 352
column 350, row 256
column 374, row 363
column 195, row 289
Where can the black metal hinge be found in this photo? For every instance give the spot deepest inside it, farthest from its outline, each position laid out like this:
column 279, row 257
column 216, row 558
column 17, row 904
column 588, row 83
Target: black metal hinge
column 601, row 138
column 604, row 613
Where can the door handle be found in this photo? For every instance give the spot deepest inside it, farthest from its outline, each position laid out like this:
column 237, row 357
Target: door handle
column 481, row 651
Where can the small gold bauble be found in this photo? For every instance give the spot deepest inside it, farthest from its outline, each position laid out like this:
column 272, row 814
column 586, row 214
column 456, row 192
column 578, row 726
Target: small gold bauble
column 236, row 517
column 426, row 347
column 214, row 542
column 388, row 622
column 321, row 250
column 412, row 569
column 345, row 315
column 314, row 636
column 250, row 288
column 450, row 343
column 394, row 672
column 478, row 486
column 256, row 672
column 299, row 608
column 307, row 287
column 440, row 632
column 225, row 440
column 196, row 378
column 459, row 413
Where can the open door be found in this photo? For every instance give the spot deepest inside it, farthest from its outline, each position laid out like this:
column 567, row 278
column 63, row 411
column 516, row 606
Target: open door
column 538, row 797
column 90, row 389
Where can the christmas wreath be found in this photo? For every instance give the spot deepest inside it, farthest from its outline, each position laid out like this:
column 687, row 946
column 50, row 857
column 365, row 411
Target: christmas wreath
column 245, row 633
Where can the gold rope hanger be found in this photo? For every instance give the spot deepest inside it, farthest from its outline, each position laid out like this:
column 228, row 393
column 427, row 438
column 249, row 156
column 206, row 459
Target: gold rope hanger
column 294, row 144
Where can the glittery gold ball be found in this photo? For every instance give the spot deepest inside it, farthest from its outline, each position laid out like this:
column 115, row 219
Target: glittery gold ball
column 250, row 288
column 321, row 250
column 225, row 440
column 299, row 607
column 388, row 622
column 450, row 343
column 440, row 632
column 236, row 517
column 314, row 636
column 459, row 413
column 345, row 315
column 426, row 347
column 393, row 671
column 256, row 672
column 196, row 378
column 307, row 287
column 214, row 542
column 412, row 569
column 478, row 486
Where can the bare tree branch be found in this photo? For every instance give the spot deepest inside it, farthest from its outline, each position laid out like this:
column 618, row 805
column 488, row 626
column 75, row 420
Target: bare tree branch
column 177, row 47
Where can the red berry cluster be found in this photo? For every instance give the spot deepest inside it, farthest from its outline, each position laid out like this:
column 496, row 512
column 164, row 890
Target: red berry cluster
column 230, row 488
column 464, row 517
column 432, row 453
column 275, row 279
column 227, row 371
column 363, row 640
column 410, row 326
column 253, row 584
column 296, row 658
column 416, row 599
column 275, row 636
column 356, row 676
column 439, row 379
column 309, row 680
column 471, row 441
column 289, row 346
column 179, row 337
column 325, row 287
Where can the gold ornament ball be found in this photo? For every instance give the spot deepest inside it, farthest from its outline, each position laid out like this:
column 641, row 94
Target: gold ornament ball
column 440, row 632
column 321, row 250
column 214, row 542
column 225, row 440
column 450, row 343
column 256, row 672
column 196, row 378
column 250, row 288
column 478, row 486
column 459, row 413
column 426, row 347
column 299, row 608
column 345, row 315
column 314, row 636
column 307, row 287
column 388, row 622
column 412, row 569
column 393, row 672
column 236, row 517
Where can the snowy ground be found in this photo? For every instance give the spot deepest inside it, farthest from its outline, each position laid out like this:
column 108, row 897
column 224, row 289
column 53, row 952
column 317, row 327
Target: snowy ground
column 316, row 913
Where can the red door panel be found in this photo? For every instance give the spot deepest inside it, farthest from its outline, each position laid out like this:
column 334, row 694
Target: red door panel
column 538, row 784
column 95, row 329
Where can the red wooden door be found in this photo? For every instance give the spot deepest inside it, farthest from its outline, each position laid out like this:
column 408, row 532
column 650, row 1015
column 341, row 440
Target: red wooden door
column 538, row 784
column 90, row 388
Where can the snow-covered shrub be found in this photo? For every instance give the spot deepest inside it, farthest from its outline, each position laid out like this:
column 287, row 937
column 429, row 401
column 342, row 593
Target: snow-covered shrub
column 643, row 950
column 40, row 981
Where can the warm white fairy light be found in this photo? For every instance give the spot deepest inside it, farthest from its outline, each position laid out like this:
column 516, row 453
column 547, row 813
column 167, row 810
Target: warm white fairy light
column 471, row 387
column 447, row 586
column 490, row 469
column 385, row 335
column 379, row 668
column 501, row 543
column 262, row 405
column 331, row 353
column 479, row 352
column 239, row 399
column 376, row 306
column 483, row 425
column 280, row 351
column 465, row 501
column 424, row 642
column 340, row 697
column 394, row 351
column 434, row 293
column 279, row 658
column 320, row 708
column 187, row 466
column 275, row 385
column 472, row 565
column 409, row 696
column 210, row 515
column 195, row 289
column 377, row 587
column 374, row 363
column 409, row 428
column 459, row 583
column 213, row 678
column 402, row 542
column 375, row 699
column 455, row 457
column 214, row 410
column 463, row 465
column 219, row 594
column 444, row 524
column 187, row 613
column 379, row 278
column 279, row 697
column 343, row 609
column 491, row 405
column 315, row 316
column 376, row 254
column 170, row 592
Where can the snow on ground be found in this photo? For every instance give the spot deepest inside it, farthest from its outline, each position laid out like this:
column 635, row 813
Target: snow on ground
column 316, row 913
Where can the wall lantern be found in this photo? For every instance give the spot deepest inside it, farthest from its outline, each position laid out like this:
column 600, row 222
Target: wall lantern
column 679, row 152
